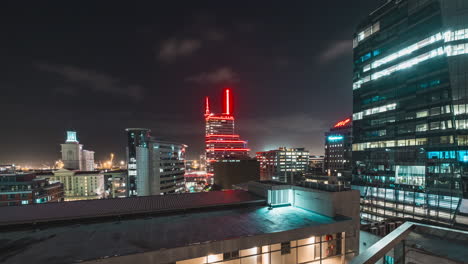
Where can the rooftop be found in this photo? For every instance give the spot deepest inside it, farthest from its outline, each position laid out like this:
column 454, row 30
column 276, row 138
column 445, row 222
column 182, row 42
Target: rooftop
column 116, row 208
column 132, row 236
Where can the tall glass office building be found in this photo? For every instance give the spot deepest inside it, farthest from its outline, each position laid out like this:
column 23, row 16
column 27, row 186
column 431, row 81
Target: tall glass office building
column 410, row 105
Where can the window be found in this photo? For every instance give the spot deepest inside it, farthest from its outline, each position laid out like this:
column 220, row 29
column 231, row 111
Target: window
column 422, row 113
column 421, row 127
column 285, row 248
column 461, row 124
column 435, row 125
column 435, row 111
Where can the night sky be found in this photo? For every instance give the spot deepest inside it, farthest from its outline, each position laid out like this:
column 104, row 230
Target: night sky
column 98, row 69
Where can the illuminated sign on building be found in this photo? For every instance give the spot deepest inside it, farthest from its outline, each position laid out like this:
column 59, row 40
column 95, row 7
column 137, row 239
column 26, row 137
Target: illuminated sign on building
column 335, row 138
column 343, row 123
column 71, row 136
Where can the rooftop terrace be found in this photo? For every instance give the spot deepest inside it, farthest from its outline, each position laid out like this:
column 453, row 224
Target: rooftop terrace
column 81, row 242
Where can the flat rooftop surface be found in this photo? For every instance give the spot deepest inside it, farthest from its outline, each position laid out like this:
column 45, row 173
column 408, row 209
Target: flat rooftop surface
column 74, row 242
column 76, row 210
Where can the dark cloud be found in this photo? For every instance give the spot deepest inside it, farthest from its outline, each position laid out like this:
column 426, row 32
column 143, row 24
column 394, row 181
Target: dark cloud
column 221, row 75
column 95, row 81
column 336, row 50
column 289, row 130
column 215, row 35
column 172, row 49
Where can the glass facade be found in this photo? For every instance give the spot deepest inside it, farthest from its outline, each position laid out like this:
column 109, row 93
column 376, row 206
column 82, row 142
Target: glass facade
column 409, row 99
column 326, row 249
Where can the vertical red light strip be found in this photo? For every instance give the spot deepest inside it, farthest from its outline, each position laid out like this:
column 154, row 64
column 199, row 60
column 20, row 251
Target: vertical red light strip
column 207, row 106
column 227, row 102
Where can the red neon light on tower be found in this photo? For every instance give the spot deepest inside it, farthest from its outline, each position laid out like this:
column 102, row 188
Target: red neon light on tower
column 222, row 143
column 227, row 105
column 207, row 106
column 343, row 123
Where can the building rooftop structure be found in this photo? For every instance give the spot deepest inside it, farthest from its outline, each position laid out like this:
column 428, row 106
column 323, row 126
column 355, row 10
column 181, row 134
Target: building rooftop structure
column 172, row 228
column 108, row 208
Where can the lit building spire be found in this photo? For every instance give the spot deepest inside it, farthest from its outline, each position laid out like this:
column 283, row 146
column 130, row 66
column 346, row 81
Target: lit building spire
column 227, row 102
column 207, row 106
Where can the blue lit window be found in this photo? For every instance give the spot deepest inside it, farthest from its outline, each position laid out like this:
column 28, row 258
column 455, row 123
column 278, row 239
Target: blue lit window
column 366, row 57
column 376, row 53
column 434, row 83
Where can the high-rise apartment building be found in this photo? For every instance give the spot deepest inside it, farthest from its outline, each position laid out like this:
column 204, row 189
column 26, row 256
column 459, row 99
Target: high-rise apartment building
column 25, row 188
column 338, row 149
column 410, row 105
column 283, row 164
column 222, row 143
column 154, row 167
column 74, row 157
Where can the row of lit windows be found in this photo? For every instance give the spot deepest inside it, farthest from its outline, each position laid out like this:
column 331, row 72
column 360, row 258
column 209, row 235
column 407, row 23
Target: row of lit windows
column 447, row 36
column 450, row 50
column 463, row 140
column 401, row 66
column 293, row 153
column 369, row 31
column 375, row 110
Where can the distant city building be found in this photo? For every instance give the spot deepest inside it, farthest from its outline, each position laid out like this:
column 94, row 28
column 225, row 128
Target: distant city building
column 283, row 164
column 316, row 164
column 7, row 168
column 115, row 183
column 25, row 188
column 269, row 223
column 154, row 167
column 74, row 157
column 197, row 181
column 222, row 143
column 410, row 124
column 78, row 185
column 138, row 161
column 192, row 165
column 338, row 149
column 230, row 172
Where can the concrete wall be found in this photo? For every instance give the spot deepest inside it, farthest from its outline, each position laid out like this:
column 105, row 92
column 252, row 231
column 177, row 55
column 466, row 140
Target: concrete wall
column 314, row 200
column 229, row 173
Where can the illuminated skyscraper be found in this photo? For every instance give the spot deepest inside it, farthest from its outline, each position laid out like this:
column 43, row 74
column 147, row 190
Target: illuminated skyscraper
column 221, row 141
column 410, row 121
column 338, row 149
column 154, row 166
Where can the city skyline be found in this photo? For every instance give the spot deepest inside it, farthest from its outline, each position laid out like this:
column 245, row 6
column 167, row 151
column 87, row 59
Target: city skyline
column 97, row 74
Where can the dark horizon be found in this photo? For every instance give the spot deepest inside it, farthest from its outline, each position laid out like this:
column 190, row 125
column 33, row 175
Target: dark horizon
column 98, row 69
